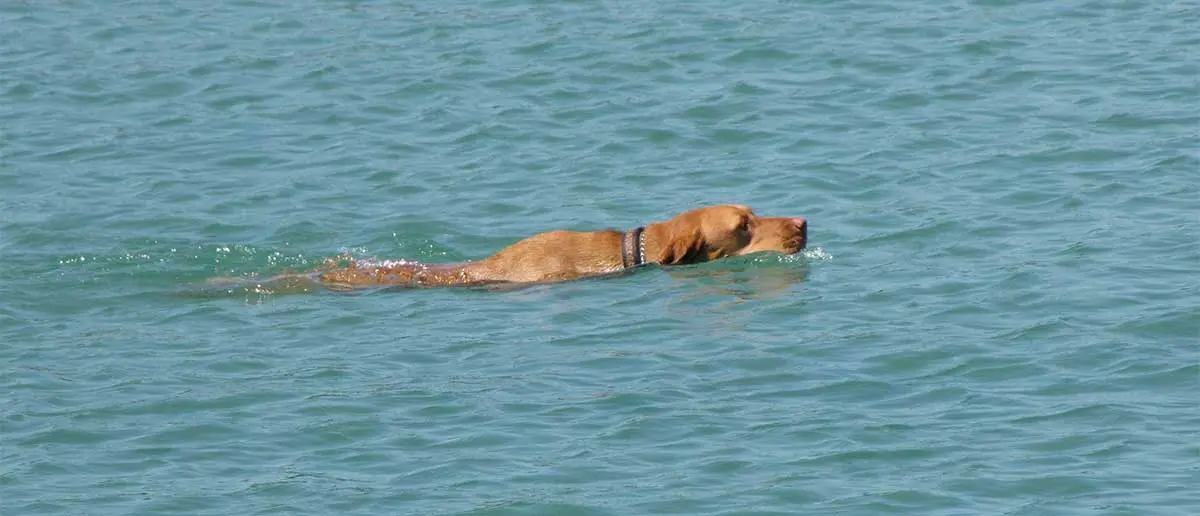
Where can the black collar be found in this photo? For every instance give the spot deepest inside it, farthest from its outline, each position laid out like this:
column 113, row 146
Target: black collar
column 633, row 248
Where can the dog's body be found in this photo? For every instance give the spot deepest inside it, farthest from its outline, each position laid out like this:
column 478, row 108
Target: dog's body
column 692, row 237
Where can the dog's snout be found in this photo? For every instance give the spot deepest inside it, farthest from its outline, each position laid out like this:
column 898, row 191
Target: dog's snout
column 802, row 224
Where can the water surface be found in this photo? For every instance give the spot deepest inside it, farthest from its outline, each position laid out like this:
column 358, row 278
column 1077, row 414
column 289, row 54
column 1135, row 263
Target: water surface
column 998, row 313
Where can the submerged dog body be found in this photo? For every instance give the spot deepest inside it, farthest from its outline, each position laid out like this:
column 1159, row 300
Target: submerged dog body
column 695, row 236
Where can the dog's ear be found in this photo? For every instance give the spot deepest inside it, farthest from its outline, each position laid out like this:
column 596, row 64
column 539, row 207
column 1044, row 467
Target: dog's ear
column 683, row 247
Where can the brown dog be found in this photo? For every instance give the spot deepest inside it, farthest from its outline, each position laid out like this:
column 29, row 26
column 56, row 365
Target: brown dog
column 692, row 237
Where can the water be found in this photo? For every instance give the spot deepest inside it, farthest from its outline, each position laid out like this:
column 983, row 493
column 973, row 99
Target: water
column 998, row 313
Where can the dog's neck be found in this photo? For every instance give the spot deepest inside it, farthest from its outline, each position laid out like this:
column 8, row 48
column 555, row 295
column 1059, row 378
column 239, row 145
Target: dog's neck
column 633, row 248
column 655, row 238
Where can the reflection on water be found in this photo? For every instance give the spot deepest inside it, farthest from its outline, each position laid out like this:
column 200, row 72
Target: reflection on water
column 756, row 279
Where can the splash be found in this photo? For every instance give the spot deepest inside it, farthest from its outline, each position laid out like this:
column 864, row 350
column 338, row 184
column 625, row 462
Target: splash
column 816, row 253
column 383, row 264
column 810, row 254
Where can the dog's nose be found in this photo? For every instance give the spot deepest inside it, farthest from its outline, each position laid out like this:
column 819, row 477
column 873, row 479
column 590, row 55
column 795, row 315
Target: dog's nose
column 801, row 223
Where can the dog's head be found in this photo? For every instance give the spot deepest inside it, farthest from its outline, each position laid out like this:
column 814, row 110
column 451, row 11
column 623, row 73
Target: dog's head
column 716, row 232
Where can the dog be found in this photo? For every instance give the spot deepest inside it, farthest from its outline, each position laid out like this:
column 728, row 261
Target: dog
column 695, row 236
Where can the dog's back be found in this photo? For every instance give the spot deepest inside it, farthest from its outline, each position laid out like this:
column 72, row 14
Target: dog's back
column 404, row 273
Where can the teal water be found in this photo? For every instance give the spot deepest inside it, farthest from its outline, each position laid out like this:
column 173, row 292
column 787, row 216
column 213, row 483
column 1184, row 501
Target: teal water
column 999, row 312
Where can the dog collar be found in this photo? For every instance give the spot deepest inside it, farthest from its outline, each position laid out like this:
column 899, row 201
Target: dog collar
column 633, row 248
